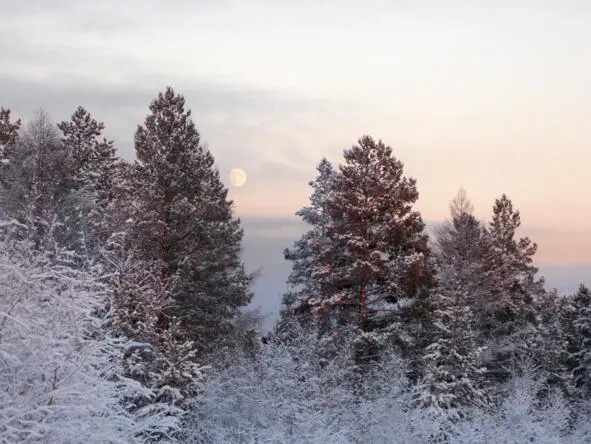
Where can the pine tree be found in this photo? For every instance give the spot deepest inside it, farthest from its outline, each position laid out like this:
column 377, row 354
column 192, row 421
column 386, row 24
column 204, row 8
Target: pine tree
column 578, row 327
column 453, row 362
column 91, row 167
column 8, row 135
column 459, row 244
column 92, row 160
column 508, row 316
column 461, row 236
column 305, row 252
column 509, row 265
column 33, row 184
column 550, row 353
column 183, row 220
column 375, row 259
column 162, row 364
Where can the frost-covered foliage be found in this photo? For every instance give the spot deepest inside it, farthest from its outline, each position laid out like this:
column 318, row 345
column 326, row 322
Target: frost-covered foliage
column 578, row 326
column 523, row 416
column 91, row 167
column 32, row 186
column 142, row 259
column 301, row 390
column 509, row 273
column 8, row 137
column 168, row 382
column 59, row 368
column 307, row 390
column 160, row 364
column 453, row 362
column 452, row 375
column 303, row 279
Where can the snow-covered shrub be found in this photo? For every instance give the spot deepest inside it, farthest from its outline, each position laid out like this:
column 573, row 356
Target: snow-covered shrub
column 302, row 390
column 58, row 368
column 522, row 416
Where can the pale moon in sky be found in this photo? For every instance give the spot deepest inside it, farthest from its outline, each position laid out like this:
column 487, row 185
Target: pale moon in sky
column 237, row 177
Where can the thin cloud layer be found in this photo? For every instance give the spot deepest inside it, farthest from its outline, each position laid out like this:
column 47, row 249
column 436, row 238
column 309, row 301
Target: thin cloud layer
column 493, row 98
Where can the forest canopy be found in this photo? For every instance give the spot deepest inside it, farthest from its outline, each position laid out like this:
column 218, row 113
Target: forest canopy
column 123, row 304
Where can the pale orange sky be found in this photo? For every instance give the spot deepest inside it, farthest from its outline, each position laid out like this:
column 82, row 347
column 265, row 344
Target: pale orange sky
column 489, row 95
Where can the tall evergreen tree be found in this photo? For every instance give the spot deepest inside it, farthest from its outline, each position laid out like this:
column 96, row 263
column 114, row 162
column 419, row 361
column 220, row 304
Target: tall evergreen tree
column 33, row 184
column 509, row 266
column 184, row 221
column 91, row 159
column 453, row 362
column 453, row 374
column 460, row 236
column 551, row 353
column 9, row 134
column 578, row 328
column 375, row 259
column 508, row 315
column 459, row 244
column 303, row 280
column 91, row 166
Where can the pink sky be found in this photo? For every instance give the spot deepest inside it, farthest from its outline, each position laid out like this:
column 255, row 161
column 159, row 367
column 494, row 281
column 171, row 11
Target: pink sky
column 492, row 96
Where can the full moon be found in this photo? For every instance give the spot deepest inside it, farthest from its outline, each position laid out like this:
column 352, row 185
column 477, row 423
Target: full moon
column 237, row 177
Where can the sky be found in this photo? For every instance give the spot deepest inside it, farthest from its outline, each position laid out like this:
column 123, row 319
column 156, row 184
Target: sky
column 491, row 96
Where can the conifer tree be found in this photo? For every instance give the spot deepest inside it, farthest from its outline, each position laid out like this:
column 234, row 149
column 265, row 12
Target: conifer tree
column 183, row 220
column 461, row 236
column 551, row 354
column 91, row 167
column 453, row 361
column 509, row 265
column 459, row 244
column 91, row 159
column 8, row 133
column 304, row 254
column 508, row 315
column 376, row 254
column 33, row 184
column 578, row 327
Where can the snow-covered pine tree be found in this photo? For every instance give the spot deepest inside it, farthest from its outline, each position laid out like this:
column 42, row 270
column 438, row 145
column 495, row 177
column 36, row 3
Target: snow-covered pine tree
column 8, row 135
column 453, row 362
column 60, row 378
column 91, row 164
column 550, row 354
column 33, row 183
column 183, row 219
column 161, row 364
column 302, row 281
column 507, row 318
column 460, row 237
column 375, row 260
column 459, row 246
column 577, row 324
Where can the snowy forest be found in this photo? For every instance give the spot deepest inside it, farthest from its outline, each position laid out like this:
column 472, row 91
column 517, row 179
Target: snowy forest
column 124, row 319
